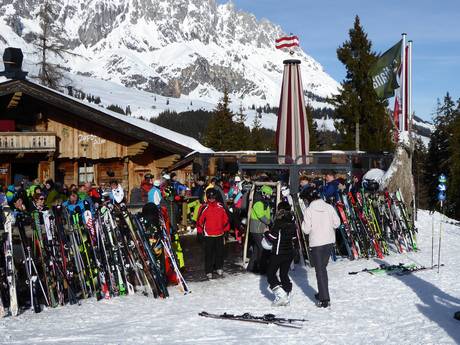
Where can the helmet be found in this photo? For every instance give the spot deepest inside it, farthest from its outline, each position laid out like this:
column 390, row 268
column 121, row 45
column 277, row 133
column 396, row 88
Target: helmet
column 266, row 191
column 371, row 185
column 157, row 183
column 284, row 205
column 285, row 191
column 311, row 194
column 237, row 178
column 211, row 193
column 266, row 244
column 149, row 175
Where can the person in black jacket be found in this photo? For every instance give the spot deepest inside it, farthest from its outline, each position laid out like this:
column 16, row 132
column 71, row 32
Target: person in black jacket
column 282, row 236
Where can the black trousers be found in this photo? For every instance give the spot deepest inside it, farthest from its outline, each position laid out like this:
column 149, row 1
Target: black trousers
column 320, row 257
column 281, row 263
column 258, row 261
column 213, row 253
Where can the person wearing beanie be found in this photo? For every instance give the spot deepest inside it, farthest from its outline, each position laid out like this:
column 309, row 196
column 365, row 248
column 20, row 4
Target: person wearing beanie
column 146, row 186
column 212, row 225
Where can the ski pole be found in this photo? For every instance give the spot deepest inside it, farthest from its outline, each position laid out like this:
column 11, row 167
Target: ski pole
column 440, row 231
column 432, row 240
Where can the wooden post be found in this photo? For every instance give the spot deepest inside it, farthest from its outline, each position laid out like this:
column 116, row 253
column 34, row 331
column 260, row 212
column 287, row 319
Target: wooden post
column 125, row 178
column 52, row 168
column 357, row 136
column 75, row 172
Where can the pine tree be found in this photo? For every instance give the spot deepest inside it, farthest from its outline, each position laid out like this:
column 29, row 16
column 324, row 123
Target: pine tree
column 49, row 43
column 243, row 132
column 220, row 131
column 257, row 140
column 453, row 195
column 439, row 150
column 116, row 108
column 419, row 160
column 312, row 128
column 357, row 103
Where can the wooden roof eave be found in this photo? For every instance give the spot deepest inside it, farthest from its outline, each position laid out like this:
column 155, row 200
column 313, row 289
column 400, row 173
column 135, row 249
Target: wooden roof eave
column 91, row 114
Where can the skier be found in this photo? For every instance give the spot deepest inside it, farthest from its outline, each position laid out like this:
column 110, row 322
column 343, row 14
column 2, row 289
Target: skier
column 304, row 183
column 154, row 194
column 330, row 191
column 146, row 186
column 260, row 219
column 198, row 193
column 213, row 224
column 117, row 194
column 320, row 223
column 51, row 194
column 282, row 237
column 355, row 184
column 74, row 204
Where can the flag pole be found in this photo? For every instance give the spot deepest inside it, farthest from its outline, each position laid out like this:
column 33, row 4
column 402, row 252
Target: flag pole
column 402, row 116
column 409, row 83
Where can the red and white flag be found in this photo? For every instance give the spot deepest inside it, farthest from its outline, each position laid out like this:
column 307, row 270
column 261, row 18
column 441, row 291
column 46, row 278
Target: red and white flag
column 287, row 42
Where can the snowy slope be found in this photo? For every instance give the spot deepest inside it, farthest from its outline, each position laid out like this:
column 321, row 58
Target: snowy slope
column 366, row 309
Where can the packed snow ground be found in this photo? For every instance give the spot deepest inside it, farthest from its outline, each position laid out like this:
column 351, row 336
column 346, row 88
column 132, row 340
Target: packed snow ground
column 366, row 309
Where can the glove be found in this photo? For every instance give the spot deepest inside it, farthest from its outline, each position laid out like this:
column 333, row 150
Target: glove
column 199, row 237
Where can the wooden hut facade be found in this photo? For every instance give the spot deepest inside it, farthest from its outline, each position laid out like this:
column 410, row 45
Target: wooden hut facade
column 47, row 134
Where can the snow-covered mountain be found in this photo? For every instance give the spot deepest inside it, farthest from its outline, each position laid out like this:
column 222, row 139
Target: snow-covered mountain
column 156, row 55
column 173, row 48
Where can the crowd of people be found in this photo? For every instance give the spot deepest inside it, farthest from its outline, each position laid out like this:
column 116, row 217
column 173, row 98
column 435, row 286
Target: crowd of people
column 216, row 207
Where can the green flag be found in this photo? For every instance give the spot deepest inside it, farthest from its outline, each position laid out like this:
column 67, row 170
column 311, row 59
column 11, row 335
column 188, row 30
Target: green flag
column 385, row 71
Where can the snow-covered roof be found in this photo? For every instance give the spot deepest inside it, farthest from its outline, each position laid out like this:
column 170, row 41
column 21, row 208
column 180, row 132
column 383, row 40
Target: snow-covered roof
column 188, row 143
column 178, row 138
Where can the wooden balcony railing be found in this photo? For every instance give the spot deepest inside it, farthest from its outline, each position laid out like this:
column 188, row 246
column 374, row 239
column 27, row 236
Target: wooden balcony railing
column 16, row 142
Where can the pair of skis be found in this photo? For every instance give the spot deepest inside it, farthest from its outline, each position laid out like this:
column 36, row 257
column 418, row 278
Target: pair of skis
column 268, row 319
column 399, row 270
column 9, row 262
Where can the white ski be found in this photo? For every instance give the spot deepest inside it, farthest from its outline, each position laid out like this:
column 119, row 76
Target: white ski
column 9, row 260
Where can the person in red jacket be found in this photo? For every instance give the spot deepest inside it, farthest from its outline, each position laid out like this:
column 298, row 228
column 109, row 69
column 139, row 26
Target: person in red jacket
column 146, row 186
column 212, row 224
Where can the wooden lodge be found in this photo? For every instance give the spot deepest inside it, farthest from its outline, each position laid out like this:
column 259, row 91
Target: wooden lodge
column 47, row 134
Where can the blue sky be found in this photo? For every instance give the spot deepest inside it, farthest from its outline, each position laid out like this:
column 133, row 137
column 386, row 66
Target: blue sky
column 323, row 25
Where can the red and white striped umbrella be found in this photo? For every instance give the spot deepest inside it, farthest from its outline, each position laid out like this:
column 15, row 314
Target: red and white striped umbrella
column 292, row 137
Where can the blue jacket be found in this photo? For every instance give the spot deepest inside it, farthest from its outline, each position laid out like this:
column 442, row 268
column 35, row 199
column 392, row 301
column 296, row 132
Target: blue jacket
column 331, row 191
column 155, row 196
column 71, row 207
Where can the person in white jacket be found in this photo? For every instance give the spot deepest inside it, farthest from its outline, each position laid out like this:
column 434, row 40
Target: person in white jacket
column 319, row 223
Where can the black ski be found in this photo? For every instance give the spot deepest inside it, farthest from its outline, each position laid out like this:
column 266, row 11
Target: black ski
column 265, row 319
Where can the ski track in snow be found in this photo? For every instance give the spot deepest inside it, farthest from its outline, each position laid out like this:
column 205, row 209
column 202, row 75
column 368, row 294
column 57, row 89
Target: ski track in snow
column 366, row 309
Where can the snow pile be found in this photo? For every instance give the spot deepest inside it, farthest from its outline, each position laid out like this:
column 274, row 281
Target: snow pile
column 404, row 138
column 366, row 309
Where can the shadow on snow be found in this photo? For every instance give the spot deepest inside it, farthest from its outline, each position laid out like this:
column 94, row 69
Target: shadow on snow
column 436, row 305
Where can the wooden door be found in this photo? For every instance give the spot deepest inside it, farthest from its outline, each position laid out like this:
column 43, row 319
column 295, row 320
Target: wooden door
column 5, row 173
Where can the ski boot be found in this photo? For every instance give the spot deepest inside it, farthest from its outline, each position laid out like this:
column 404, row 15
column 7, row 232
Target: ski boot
column 323, row 304
column 281, row 297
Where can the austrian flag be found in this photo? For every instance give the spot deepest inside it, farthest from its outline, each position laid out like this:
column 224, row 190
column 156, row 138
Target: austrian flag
column 287, row 42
